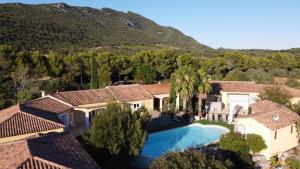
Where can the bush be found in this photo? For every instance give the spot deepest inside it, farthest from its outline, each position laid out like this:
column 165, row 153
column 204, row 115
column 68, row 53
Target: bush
column 234, row 142
column 292, row 164
column 294, row 83
column 237, row 75
column 256, row 143
column 276, row 94
column 259, row 76
column 279, row 72
column 119, row 131
column 189, row 159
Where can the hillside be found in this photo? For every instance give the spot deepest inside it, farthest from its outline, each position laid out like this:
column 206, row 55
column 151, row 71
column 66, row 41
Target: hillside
column 64, row 27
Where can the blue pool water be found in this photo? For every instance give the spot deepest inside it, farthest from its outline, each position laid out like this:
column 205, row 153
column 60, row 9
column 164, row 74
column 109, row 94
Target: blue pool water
column 180, row 138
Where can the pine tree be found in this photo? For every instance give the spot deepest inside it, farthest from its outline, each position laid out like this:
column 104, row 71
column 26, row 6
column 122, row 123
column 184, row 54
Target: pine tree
column 94, row 75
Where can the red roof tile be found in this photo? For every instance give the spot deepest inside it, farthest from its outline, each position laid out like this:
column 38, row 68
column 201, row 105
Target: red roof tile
column 267, row 106
column 53, row 151
column 264, row 112
column 82, row 97
column 127, row 93
column 14, row 122
column 285, row 118
column 48, row 104
column 235, row 86
column 156, row 89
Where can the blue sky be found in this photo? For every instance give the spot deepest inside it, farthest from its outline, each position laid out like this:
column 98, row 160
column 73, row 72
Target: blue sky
column 238, row 24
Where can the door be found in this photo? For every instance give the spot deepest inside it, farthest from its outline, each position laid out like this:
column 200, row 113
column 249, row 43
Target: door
column 66, row 120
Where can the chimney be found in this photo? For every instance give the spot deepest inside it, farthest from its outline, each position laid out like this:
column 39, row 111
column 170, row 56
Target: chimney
column 43, row 93
column 276, row 117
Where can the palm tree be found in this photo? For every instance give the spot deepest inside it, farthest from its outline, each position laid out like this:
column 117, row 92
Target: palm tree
column 204, row 87
column 185, row 80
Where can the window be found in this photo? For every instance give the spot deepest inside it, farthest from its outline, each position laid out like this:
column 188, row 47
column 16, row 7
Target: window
column 292, row 126
column 275, row 136
column 136, row 106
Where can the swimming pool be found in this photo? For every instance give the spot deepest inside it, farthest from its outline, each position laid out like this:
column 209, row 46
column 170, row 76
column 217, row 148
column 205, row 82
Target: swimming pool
column 193, row 135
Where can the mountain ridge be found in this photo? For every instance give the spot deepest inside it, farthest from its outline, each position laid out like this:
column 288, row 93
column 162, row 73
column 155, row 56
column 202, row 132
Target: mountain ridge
column 62, row 26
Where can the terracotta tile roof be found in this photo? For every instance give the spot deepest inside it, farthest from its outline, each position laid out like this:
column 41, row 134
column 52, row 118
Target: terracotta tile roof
column 14, row 122
column 48, row 104
column 127, row 93
column 286, row 118
column 235, row 86
column 155, row 89
column 264, row 112
column 57, row 151
column 82, row 97
column 267, row 106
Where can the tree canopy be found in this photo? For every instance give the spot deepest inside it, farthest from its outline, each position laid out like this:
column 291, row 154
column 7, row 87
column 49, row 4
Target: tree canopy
column 276, row 94
column 189, row 159
column 119, row 131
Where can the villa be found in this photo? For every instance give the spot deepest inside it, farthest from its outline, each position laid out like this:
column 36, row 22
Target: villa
column 71, row 112
column 274, row 122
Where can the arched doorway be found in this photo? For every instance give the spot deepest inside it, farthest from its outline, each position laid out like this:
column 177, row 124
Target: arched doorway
column 156, row 104
column 241, row 129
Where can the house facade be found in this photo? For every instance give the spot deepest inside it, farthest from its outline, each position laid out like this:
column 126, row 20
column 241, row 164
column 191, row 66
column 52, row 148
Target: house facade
column 274, row 122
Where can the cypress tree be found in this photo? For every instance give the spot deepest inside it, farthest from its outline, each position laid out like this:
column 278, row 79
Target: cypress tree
column 172, row 100
column 94, row 79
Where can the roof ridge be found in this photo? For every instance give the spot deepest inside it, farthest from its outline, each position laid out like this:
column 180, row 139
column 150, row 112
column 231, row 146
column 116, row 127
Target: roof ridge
column 41, row 118
column 49, row 96
column 107, row 87
column 9, row 112
column 104, row 89
column 145, row 90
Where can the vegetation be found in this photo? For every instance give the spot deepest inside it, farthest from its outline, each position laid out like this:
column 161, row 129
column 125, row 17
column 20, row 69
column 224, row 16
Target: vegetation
column 236, row 142
column 220, row 123
column 64, row 27
column 189, row 159
column 203, row 88
column 185, row 81
column 276, row 94
column 94, row 79
column 256, row 143
column 292, row 164
column 145, row 74
column 52, row 71
column 119, row 131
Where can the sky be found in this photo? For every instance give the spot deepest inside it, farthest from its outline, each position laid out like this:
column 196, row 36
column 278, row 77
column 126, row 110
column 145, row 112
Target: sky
column 236, row 24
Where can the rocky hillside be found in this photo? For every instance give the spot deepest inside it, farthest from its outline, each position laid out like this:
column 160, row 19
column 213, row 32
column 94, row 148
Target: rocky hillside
column 61, row 27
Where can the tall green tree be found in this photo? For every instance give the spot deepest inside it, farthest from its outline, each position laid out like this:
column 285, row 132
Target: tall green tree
column 203, row 88
column 94, row 75
column 25, row 85
column 172, row 100
column 104, row 76
column 145, row 74
column 185, row 83
column 119, row 131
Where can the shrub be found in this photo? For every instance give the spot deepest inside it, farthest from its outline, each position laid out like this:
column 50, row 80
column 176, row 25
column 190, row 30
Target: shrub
column 292, row 164
column 189, row 159
column 234, row 142
column 256, row 143
column 276, row 94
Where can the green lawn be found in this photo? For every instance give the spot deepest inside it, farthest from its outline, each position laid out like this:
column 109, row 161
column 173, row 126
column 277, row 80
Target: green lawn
column 220, row 123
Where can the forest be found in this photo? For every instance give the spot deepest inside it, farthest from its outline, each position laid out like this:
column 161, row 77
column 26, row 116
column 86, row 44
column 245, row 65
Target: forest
column 25, row 73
